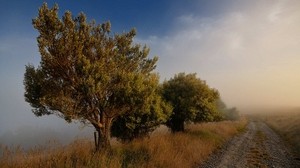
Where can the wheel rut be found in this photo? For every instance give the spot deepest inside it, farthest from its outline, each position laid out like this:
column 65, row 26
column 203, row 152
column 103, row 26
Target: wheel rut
column 259, row 146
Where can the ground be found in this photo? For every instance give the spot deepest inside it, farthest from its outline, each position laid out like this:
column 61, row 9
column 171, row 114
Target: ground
column 258, row 146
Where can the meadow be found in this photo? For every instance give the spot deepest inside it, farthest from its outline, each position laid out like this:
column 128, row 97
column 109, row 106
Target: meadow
column 163, row 149
column 287, row 124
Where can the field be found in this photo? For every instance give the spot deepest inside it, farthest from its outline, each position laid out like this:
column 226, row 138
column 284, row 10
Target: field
column 162, row 149
column 287, row 124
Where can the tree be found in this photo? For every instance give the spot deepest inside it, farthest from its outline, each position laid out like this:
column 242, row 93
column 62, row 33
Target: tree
column 192, row 99
column 85, row 73
column 227, row 113
column 143, row 121
column 232, row 114
column 222, row 108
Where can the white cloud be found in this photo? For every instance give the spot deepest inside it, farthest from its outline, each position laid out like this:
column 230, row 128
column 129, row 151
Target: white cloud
column 251, row 54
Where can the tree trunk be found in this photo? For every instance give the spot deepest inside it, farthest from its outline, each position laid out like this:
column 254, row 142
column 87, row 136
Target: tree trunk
column 102, row 137
column 177, row 125
column 100, row 142
column 107, row 131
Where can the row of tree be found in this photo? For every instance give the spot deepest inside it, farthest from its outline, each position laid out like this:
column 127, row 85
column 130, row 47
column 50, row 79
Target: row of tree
column 95, row 77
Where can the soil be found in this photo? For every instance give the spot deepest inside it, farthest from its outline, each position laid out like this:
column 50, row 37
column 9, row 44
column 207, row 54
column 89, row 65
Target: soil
column 259, row 146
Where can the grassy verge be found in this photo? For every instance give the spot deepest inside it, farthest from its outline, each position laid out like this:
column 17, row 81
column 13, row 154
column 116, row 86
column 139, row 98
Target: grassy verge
column 161, row 150
column 288, row 126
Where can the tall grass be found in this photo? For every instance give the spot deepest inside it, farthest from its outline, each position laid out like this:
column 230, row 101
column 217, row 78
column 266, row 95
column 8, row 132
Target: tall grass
column 186, row 149
column 287, row 124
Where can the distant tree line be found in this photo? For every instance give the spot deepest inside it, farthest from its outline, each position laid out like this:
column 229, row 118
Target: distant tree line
column 90, row 75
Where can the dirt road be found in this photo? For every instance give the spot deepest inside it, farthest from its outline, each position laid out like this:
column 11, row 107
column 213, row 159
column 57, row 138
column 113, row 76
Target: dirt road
column 259, row 146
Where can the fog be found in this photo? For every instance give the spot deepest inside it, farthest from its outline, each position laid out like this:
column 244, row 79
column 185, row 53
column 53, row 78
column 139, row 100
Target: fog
column 248, row 50
column 29, row 136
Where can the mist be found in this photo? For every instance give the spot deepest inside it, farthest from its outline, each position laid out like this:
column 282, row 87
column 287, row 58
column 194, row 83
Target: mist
column 29, row 136
column 250, row 52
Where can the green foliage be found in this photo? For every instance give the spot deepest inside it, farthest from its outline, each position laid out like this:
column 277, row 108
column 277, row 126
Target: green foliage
column 192, row 99
column 227, row 113
column 232, row 114
column 86, row 73
column 143, row 120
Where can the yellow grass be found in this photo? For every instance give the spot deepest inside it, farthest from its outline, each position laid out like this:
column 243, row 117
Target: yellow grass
column 161, row 150
column 287, row 124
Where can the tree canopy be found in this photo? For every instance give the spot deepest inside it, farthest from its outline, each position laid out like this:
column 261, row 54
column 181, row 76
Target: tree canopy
column 192, row 100
column 143, row 120
column 227, row 113
column 86, row 73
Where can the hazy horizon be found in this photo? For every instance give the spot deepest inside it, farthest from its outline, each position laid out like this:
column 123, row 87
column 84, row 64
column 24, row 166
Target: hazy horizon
column 248, row 50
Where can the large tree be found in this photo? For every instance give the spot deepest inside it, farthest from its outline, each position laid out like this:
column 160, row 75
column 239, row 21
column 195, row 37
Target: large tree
column 86, row 73
column 192, row 99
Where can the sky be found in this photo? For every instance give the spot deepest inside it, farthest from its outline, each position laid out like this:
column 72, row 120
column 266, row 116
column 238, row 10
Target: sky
column 248, row 50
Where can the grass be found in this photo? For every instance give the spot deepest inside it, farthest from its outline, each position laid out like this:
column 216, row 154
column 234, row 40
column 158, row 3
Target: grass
column 163, row 150
column 287, row 124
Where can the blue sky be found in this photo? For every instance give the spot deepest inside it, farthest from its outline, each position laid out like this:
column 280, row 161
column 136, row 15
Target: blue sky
column 248, row 50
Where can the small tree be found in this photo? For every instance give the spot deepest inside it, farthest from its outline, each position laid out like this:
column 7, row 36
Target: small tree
column 192, row 99
column 232, row 114
column 227, row 113
column 85, row 73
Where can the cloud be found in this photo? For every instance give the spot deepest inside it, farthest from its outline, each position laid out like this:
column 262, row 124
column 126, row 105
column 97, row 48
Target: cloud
column 250, row 53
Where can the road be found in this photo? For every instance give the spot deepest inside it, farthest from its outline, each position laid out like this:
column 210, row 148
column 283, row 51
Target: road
column 258, row 146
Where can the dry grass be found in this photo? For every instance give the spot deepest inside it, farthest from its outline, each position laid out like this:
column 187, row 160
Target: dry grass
column 161, row 150
column 287, row 124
